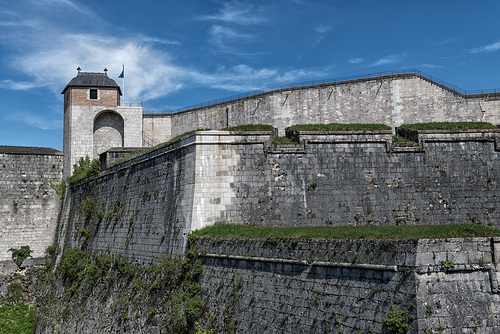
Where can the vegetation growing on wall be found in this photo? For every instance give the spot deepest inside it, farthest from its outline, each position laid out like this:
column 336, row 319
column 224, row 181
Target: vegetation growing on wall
column 340, row 127
column 397, row 320
column 21, row 254
column 164, row 295
column 83, row 168
column 284, row 141
column 449, row 126
column 350, row 232
column 16, row 319
column 60, row 188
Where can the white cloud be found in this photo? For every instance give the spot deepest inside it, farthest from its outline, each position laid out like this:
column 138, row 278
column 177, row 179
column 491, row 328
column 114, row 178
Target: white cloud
column 493, row 47
column 51, row 54
column 432, row 66
column 323, row 29
column 243, row 78
column 19, row 85
column 226, row 40
column 391, row 59
column 355, row 61
column 36, row 121
column 238, row 13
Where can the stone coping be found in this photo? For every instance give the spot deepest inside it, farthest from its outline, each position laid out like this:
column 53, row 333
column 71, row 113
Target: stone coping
column 26, row 150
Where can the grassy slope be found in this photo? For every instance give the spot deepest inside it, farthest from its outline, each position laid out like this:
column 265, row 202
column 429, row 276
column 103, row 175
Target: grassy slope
column 16, row 319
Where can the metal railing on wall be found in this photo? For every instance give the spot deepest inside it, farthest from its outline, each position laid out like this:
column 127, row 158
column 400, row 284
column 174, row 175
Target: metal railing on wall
column 131, row 104
column 305, row 84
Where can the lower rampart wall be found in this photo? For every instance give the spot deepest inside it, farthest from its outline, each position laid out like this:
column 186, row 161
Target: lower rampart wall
column 350, row 286
column 29, row 206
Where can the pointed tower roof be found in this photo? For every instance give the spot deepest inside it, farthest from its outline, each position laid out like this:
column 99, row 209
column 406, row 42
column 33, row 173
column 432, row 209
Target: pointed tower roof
column 90, row 79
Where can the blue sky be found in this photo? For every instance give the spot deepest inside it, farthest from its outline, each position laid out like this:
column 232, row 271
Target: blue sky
column 182, row 53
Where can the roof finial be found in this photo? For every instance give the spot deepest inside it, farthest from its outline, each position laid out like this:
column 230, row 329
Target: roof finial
column 106, row 71
column 78, row 69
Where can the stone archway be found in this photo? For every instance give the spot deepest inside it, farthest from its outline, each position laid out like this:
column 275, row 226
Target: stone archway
column 108, row 131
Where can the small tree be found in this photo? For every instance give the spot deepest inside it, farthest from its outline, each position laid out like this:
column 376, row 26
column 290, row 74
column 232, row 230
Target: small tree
column 21, row 254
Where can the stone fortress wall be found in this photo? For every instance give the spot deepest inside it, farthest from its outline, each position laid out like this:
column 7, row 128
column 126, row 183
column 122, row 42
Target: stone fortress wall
column 29, row 206
column 149, row 203
column 392, row 99
column 330, row 179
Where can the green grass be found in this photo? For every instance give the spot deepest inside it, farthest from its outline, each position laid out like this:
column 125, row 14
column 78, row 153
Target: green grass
column 340, row 127
column 349, row 232
column 400, row 139
column 250, row 127
column 284, row 141
column 16, row 319
column 449, row 126
column 83, row 168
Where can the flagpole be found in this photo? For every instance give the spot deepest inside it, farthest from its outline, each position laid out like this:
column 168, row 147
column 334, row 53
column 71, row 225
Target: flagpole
column 122, row 76
column 123, row 82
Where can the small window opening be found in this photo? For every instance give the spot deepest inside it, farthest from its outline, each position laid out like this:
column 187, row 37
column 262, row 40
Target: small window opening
column 93, row 94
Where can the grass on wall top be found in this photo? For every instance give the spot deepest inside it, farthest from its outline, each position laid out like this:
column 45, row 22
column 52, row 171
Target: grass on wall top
column 349, row 232
column 340, row 127
column 449, row 126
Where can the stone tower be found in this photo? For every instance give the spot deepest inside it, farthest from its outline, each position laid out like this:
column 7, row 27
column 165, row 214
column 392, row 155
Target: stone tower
column 94, row 121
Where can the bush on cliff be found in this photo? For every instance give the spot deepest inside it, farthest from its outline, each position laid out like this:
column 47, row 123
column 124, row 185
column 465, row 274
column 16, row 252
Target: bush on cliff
column 21, row 254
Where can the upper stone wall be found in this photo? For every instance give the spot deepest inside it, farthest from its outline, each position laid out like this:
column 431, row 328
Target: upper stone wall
column 29, row 206
column 391, row 99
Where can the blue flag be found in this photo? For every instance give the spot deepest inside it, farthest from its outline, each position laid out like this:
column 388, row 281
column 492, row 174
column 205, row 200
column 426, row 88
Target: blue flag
column 123, row 74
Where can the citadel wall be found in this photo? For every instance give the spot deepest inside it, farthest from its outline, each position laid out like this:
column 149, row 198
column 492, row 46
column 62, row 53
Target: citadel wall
column 388, row 99
column 29, row 206
column 145, row 207
column 350, row 286
column 148, row 204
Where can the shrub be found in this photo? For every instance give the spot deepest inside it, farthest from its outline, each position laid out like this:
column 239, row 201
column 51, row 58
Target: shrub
column 21, row 254
column 84, row 167
column 396, row 321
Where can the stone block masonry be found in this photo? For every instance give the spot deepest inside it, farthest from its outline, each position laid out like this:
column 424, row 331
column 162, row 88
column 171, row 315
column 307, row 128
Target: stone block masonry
column 148, row 204
column 29, row 206
column 349, row 286
column 393, row 100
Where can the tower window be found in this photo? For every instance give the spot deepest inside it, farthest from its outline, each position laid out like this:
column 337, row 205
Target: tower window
column 93, row 94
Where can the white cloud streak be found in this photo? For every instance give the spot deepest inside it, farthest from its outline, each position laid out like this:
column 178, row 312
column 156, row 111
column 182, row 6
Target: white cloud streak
column 355, row 61
column 493, row 47
column 388, row 60
column 238, row 13
column 36, row 120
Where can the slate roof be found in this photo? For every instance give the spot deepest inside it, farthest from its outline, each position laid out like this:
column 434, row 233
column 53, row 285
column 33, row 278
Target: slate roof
column 89, row 79
column 28, row 150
